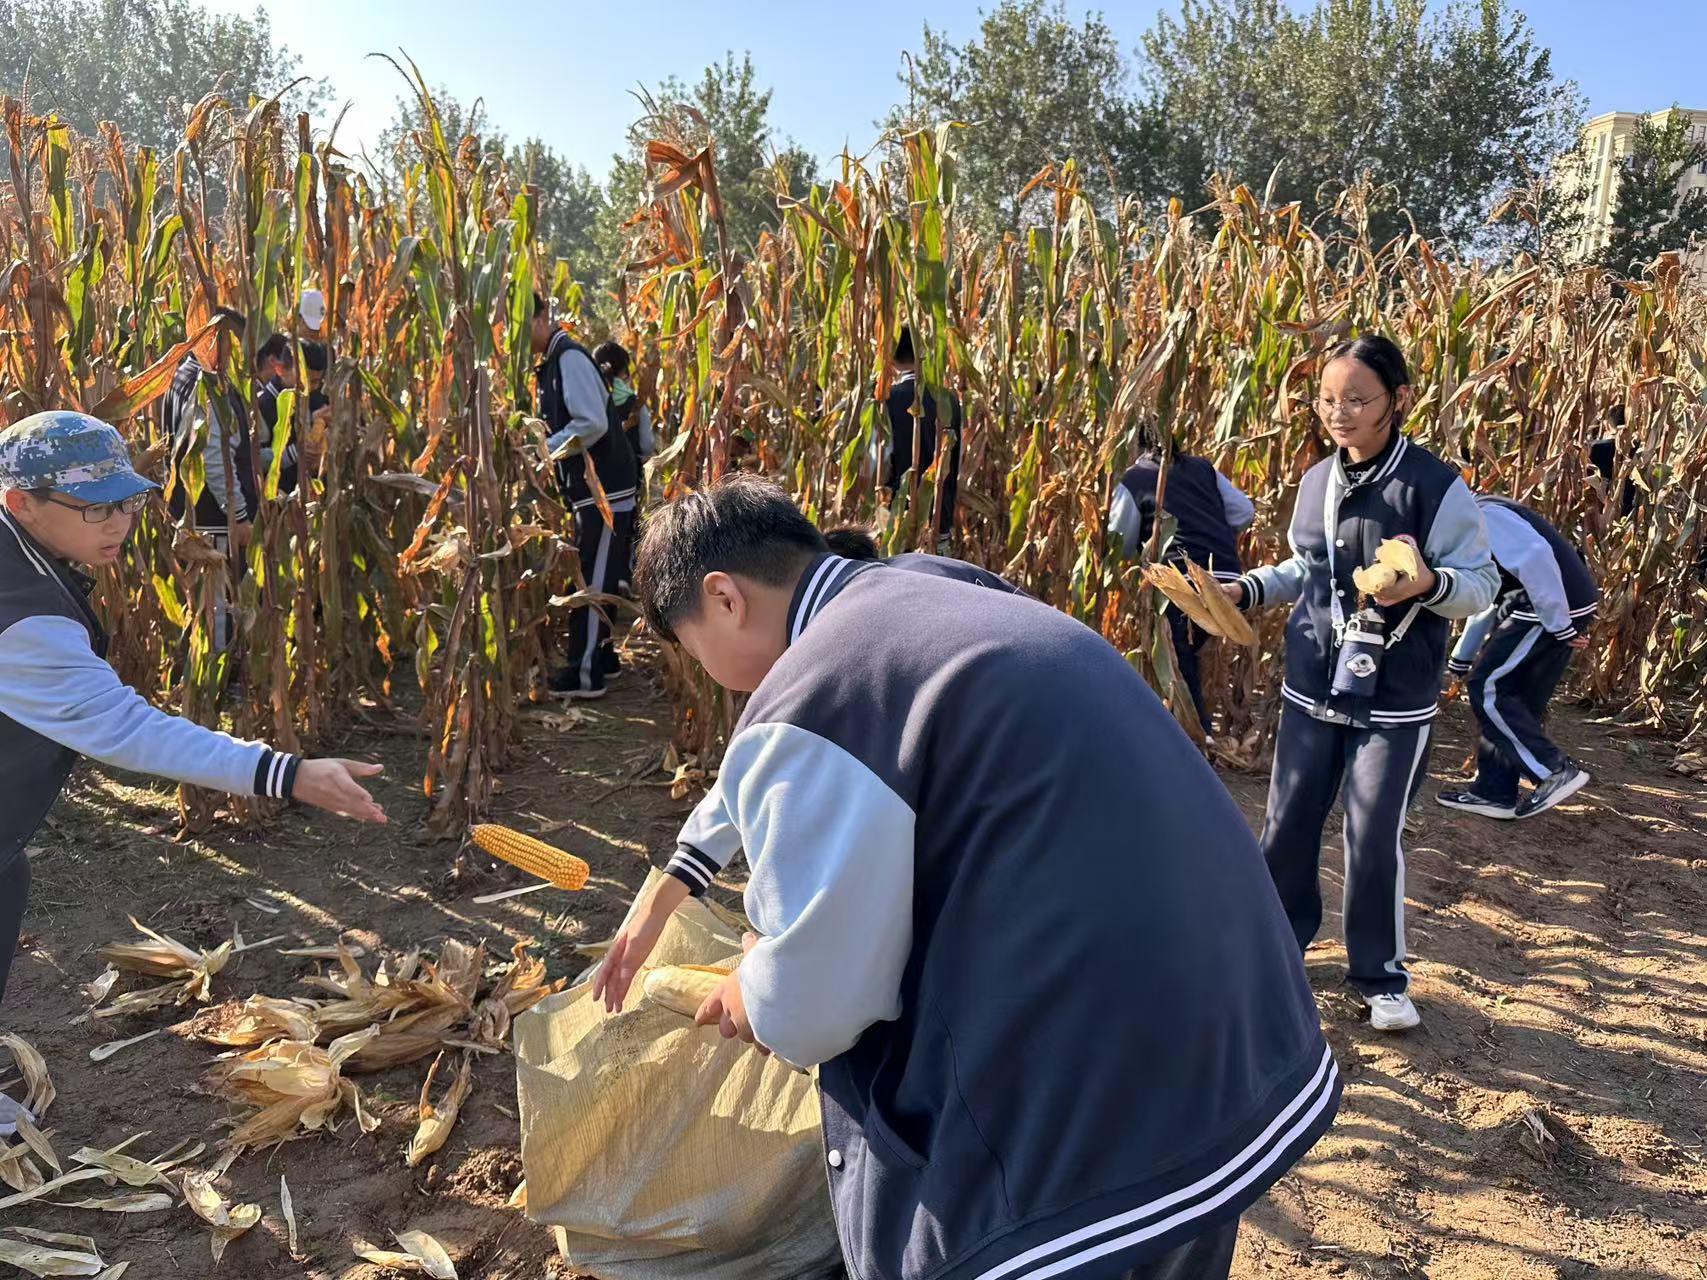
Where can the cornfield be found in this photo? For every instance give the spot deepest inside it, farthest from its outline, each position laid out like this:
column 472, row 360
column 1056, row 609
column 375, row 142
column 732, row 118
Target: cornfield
column 431, row 538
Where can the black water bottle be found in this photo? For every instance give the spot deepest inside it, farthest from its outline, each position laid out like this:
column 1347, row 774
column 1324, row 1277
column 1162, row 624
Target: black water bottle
column 1362, row 647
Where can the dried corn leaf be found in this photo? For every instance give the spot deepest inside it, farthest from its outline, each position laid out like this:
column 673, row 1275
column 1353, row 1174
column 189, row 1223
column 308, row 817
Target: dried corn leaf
column 522, row 986
column 145, row 1001
column 436, row 1122
column 17, row 1170
column 36, row 1141
column 44, row 1260
column 130, row 1202
column 35, row 1193
column 288, row 1207
column 323, row 953
column 101, row 1052
column 70, row 1241
column 225, row 1220
column 114, row 1272
column 519, row 1197
column 127, row 1169
column 164, row 957
column 39, row 1090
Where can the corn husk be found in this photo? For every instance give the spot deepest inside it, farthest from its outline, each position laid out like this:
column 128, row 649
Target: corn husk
column 225, row 1220
column 421, row 1253
column 1230, row 623
column 522, row 986
column 519, row 1197
column 297, row 1086
column 436, row 1122
column 53, row 1184
column 159, row 956
column 114, row 1272
column 255, row 1021
column 1181, row 594
column 1373, row 579
column 100, row 988
column 38, row 1085
column 48, row 1260
column 355, row 950
column 413, row 1014
column 1401, row 556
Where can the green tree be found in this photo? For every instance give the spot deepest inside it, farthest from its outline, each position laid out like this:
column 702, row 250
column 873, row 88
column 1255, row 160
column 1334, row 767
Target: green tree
column 1447, row 109
column 1036, row 88
column 1650, row 215
column 141, row 63
column 567, row 211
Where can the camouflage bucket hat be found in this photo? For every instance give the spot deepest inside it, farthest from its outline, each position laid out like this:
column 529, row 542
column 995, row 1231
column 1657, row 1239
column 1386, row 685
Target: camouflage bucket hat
column 70, row 453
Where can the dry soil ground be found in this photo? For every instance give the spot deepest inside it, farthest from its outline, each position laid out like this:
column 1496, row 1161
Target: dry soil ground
column 1561, row 965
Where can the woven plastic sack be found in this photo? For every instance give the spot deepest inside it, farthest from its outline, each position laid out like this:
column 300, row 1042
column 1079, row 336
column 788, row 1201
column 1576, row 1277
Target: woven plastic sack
column 660, row 1150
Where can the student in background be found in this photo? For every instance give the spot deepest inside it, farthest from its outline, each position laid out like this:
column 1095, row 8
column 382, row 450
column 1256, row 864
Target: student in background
column 275, row 371
column 1209, row 513
column 855, row 542
column 914, row 442
column 628, row 414
column 576, row 408
column 1356, row 716
column 1513, row 655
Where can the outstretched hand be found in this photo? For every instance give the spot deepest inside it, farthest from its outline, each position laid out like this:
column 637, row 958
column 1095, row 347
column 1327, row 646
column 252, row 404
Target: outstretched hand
column 331, row 785
column 633, row 943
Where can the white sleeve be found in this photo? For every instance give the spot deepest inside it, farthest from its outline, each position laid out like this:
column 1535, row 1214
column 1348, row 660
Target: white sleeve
column 1239, row 510
column 1529, row 557
column 706, row 843
column 584, row 397
column 1466, row 578
column 831, row 894
column 643, row 433
column 51, row 681
column 1124, row 520
column 216, row 474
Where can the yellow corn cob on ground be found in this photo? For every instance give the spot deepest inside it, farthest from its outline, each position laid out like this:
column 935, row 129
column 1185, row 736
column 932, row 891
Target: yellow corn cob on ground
column 537, row 858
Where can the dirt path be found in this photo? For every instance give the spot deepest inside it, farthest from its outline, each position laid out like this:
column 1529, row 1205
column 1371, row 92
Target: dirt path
column 1562, row 971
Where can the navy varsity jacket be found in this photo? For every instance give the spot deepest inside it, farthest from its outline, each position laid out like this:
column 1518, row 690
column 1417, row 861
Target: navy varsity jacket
column 609, row 451
column 1543, row 580
column 1208, row 510
column 60, row 699
column 1061, row 1022
column 1336, row 527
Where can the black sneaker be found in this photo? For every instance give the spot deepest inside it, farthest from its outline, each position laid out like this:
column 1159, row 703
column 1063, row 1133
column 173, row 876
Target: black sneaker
column 1470, row 802
column 610, row 666
column 565, row 683
column 1555, row 787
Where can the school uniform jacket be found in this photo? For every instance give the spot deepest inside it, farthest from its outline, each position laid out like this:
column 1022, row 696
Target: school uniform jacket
column 60, row 699
column 575, row 404
column 1543, row 580
column 1208, row 510
column 1336, row 527
column 1061, row 1022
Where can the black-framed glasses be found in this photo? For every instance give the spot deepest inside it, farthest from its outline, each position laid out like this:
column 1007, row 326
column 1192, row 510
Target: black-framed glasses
column 1350, row 407
column 100, row 512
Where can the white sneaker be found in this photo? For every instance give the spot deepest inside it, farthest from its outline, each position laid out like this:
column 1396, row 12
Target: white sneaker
column 1392, row 1012
column 10, row 1110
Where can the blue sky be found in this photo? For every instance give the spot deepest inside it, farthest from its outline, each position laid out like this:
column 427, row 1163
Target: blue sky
column 564, row 70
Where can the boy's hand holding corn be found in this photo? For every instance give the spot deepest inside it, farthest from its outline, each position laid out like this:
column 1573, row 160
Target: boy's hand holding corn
column 634, row 942
column 726, row 1008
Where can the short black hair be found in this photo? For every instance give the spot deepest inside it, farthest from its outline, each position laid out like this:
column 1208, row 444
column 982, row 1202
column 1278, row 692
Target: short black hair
column 853, row 542
column 233, row 319
column 314, row 356
column 741, row 525
column 612, row 358
column 1377, row 353
column 538, row 302
column 904, row 346
column 277, row 347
